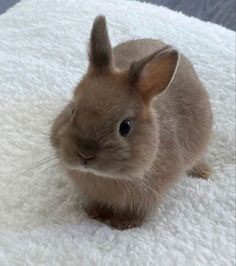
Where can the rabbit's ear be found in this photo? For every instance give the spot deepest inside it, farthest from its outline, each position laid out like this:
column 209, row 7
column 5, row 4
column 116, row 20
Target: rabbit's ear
column 153, row 74
column 100, row 50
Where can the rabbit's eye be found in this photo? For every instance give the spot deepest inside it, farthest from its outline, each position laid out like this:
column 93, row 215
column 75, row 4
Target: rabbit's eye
column 73, row 110
column 125, row 127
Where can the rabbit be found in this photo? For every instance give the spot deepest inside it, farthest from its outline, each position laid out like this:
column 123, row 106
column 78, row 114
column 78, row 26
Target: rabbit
column 139, row 119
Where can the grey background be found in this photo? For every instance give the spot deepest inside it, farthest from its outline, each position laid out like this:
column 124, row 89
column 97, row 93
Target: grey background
column 5, row 4
column 222, row 12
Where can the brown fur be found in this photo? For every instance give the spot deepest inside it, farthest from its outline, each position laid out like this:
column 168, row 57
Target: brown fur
column 100, row 52
column 158, row 90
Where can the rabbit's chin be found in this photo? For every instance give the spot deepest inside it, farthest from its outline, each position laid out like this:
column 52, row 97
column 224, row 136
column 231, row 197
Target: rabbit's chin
column 123, row 174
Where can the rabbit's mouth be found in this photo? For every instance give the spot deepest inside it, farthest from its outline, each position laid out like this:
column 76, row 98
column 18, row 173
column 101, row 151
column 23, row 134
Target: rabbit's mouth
column 124, row 173
column 86, row 168
column 113, row 166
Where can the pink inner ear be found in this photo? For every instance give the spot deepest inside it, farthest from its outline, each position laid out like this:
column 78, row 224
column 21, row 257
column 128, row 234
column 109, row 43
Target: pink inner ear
column 157, row 74
column 149, row 79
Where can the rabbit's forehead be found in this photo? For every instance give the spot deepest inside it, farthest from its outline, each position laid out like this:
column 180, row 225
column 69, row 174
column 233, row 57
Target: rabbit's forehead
column 103, row 97
column 105, row 108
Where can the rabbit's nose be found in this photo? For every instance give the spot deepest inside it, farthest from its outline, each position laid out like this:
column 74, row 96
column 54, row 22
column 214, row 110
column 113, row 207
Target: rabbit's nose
column 87, row 149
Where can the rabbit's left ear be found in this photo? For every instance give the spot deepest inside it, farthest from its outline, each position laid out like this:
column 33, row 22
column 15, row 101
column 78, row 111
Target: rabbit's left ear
column 100, row 50
column 153, row 74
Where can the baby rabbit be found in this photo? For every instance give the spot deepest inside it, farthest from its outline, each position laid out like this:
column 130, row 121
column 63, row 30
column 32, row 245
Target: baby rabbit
column 139, row 119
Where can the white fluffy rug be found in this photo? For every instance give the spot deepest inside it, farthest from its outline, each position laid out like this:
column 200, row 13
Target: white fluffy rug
column 42, row 56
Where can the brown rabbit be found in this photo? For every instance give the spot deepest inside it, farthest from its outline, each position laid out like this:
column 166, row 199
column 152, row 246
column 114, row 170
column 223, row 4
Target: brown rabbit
column 139, row 119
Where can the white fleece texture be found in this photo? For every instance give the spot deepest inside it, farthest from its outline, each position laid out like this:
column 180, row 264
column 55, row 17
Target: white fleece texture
column 42, row 56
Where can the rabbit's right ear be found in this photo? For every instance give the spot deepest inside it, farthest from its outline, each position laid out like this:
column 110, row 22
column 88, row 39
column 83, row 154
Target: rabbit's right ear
column 154, row 73
column 100, row 50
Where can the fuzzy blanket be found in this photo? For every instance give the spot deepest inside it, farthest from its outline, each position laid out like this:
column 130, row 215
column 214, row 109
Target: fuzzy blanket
column 42, row 56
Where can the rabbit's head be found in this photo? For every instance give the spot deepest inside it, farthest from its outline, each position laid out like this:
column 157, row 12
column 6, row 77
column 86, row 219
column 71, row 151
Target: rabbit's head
column 111, row 128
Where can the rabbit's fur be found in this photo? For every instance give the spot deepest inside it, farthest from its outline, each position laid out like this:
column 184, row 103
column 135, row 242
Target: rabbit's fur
column 158, row 90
